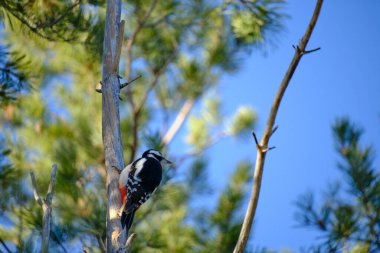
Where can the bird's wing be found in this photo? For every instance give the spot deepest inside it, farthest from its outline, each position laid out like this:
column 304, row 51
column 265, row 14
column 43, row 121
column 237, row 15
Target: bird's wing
column 129, row 171
column 124, row 175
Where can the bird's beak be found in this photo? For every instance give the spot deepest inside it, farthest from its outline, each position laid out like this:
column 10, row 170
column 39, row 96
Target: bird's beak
column 166, row 161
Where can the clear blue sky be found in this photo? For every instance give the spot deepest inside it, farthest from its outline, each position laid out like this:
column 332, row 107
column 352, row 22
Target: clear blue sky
column 342, row 79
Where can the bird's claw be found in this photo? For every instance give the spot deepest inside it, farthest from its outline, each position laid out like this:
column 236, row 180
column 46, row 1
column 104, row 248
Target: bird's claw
column 120, row 213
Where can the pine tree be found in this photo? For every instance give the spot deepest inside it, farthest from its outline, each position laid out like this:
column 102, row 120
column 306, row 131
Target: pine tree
column 348, row 217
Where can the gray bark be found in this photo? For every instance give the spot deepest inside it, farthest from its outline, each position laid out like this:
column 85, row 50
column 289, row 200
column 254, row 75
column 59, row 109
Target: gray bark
column 113, row 149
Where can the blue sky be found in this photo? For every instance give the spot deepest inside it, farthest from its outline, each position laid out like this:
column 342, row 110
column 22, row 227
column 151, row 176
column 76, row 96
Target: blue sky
column 342, row 79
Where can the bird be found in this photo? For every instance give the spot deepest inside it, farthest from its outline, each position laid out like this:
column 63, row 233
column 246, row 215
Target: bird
column 137, row 182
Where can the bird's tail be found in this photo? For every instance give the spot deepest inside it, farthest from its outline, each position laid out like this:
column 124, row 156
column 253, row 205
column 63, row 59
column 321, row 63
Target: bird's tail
column 127, row 219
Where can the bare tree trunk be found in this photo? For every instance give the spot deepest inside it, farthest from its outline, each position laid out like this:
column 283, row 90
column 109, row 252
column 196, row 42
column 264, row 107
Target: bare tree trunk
column 116, row 237
column 262, row 148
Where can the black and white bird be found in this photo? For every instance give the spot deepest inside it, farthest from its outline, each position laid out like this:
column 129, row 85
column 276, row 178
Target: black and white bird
column 138, row 181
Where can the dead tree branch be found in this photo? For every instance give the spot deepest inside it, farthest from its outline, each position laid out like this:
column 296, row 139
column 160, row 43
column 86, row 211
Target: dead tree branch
column 137, row 107
column 130, row 41
column 262, row 147
column 46, row 205
column 122, row 85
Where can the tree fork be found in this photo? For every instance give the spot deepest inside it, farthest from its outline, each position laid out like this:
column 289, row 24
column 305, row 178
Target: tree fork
column 262, row 148
column 46, row 204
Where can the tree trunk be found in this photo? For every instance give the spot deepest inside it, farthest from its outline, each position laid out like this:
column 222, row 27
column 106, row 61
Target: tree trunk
column 113, row 149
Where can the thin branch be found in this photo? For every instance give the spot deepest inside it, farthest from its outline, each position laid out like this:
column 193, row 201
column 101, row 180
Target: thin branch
column 261, row 148
column 102, row 247
column 5, row 246
column 58, row 241
column 36, row 194
column 128, row 245
column 311, row 51
column 154, row 82
column 135, row 142
column 274, row 130
column 136, row 118
column 305, row 51
column 27, row 24
column 98, row 87
column 20, row 226
column 122, row 85
column 178, row 122
column 36, row 28
column 247, row 5
column 159, row 21
column 50, row 193
column 260, row 159
column 138, row 108
column 256, row 141
column 129, row 45
column 58, row 19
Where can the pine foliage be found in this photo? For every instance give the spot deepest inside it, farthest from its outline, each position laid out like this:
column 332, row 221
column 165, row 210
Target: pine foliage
column 349, row 215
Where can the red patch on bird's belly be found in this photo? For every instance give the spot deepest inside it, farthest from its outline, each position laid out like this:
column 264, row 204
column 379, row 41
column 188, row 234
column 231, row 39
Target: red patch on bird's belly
column 123, row 194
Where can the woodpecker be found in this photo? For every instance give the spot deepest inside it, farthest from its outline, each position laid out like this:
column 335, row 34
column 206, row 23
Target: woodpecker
column 138, row 181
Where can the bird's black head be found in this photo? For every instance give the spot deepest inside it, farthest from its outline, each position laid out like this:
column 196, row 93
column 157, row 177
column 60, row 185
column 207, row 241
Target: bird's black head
column 157, row 155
